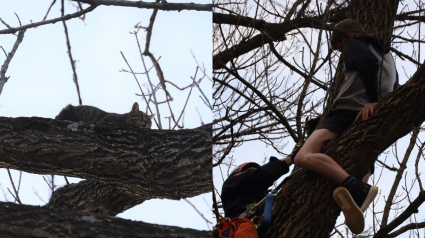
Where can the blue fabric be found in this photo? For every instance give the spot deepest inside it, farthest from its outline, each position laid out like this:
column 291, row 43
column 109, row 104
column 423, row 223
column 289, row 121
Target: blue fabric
column 267, row 219
column 349, row 182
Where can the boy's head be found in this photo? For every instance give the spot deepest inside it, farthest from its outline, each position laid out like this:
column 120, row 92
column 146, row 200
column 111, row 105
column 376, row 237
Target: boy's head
column 344, row 31
column 243, row 167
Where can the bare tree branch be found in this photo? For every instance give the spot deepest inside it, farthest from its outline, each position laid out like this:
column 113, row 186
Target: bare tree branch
column 64, row 18
column 151, row 5
column 412, row 208
column 3, row 78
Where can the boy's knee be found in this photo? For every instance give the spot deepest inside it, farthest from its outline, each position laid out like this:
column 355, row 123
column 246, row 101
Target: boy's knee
column 299, row 160
column 304, row 161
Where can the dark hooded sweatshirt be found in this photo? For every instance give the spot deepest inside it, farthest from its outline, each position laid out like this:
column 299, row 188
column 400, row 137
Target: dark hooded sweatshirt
column 250, row 186
column 365, row 80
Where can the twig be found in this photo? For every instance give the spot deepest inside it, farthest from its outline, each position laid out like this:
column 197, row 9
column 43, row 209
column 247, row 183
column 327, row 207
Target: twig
column 150, row 83
column 19, row 20
column 405, row 228
column 140, row 87
column 200, row 117
column 158, row 69
column 412, row 208
column 273, row 109
column 68, row 44
column 63, row 18
column 399, row 175
column 16, row 199
column 14, row 188
column 172, row 116
column 184, row 107
column 417, row 167
column 36, row 194
column 3, row 51
column 47, row 182
column 51, row 5
column 202, row 215
column 7, row 25
column 205, row 99
column 53, row 184
column 3, row 78
column 5, row 195
column 215, row 206
column 66, row 179
column 20, row 179
column 386, row 166
column 402, row 56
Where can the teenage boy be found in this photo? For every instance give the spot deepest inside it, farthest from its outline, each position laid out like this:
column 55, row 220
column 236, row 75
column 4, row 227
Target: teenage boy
column 366, row 82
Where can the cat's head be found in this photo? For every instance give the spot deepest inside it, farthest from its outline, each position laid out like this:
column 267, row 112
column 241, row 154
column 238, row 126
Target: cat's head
column 139, row 118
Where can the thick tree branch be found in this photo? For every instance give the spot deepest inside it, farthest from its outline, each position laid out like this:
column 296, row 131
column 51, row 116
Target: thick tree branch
column 64, row 18
column 98, row 198
column 275, row 31
column 162, row 163
column 31, row 221
column 269, row 32
column 151, row 5
column 407, row 16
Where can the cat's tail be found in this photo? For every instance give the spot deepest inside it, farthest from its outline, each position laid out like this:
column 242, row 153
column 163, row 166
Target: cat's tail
column 67, row 114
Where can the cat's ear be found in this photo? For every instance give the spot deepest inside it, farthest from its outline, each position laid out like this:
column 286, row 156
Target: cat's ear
column 152, row 116
column 135, row 107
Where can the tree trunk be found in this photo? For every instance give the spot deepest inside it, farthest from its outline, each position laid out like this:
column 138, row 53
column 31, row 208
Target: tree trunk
column 305, row 206
column 31, row 221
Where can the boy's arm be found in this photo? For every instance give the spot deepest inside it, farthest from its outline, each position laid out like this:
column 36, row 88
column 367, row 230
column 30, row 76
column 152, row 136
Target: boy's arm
column 258, row 179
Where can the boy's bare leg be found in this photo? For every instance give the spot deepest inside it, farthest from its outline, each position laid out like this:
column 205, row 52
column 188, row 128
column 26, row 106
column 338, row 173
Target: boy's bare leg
column 310, row 158
column 287, row 160
column 365, row 179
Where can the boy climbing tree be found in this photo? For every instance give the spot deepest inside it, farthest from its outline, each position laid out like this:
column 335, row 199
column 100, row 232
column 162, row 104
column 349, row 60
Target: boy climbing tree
column 370, row 74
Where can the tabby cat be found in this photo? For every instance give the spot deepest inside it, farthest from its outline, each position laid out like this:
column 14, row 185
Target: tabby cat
column 89, row 114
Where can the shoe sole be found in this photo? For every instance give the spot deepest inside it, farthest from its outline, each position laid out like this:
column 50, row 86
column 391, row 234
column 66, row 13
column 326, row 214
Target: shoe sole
column 354, row 218
column 373, row 191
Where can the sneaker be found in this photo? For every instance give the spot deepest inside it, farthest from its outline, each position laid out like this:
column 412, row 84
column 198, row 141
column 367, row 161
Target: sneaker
column 363, row 194
column 354, row 218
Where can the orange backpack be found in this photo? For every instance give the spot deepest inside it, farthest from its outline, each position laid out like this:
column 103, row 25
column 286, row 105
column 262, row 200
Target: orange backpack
column 236, row 228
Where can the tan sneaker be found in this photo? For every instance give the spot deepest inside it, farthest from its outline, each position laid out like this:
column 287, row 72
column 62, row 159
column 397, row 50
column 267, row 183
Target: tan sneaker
column 354, row 218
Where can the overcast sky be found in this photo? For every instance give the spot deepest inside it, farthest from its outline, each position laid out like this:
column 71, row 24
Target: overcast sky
column 41, row 83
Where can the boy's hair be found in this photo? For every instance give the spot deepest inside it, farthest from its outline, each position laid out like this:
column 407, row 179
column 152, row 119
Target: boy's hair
column 342, row 29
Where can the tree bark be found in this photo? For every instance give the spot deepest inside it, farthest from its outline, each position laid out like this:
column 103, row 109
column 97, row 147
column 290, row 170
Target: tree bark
column 148, row 163
column 96, row 198
column 32, row 221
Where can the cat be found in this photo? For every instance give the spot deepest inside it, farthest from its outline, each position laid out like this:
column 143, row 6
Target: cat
column 90, row 114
